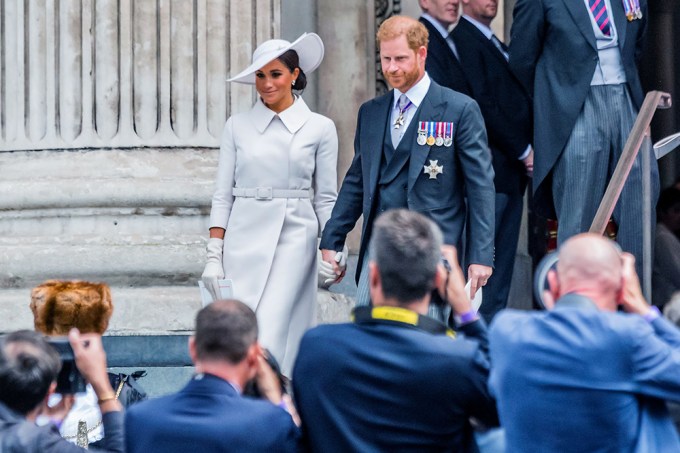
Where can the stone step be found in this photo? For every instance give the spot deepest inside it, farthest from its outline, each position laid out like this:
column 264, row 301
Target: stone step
column 157, row 310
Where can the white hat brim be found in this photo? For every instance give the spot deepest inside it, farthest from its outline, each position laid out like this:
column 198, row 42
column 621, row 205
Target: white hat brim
column 309, row 48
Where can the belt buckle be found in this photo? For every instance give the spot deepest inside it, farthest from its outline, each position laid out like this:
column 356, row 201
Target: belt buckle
column 263, row 193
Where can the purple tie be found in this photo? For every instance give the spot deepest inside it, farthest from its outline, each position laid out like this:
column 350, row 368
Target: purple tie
column 599, row 10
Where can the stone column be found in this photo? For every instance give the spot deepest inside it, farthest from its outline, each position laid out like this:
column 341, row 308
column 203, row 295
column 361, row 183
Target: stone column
column 111, row 113
column 346, row 78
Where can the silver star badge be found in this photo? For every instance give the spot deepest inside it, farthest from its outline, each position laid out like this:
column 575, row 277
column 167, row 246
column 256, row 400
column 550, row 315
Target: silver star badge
column 433, row 169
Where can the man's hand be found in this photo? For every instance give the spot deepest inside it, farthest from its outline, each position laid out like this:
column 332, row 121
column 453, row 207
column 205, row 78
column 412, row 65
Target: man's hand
column 339, row 266
column 267, row 381
column 529, row 163
column 91, row 362
column 452, row 289
column 632, row 300
column 478, row 274
column 58, row 412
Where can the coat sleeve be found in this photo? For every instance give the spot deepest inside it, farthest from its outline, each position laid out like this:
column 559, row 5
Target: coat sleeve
column 504, row 131
column 326, row 174
column 348, row 207
column 655, row 357
column 526, row 40
column 480, row 404
column 223, row 199
column 475, row 160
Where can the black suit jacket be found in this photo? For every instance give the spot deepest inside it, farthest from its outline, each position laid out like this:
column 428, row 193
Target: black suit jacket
column 467, row 174
column 505, row 104
column 441, row 63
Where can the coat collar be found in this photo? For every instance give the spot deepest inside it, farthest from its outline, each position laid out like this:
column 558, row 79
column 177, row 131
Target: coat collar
column 579, row 13
column 208, row 383
column 7, row 415
column 582, row 20
column 294, row 117
column 573, row 300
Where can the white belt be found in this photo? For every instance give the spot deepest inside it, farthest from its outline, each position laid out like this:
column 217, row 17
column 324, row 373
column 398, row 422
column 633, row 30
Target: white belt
column 267, row 193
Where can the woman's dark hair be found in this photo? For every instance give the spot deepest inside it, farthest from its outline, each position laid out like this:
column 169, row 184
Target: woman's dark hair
column 291, row 60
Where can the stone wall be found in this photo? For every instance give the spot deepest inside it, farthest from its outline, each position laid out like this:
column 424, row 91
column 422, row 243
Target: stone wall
column 110, row 118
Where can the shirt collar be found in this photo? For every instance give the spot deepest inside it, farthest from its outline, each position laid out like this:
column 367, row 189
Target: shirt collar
column 294, row 117
column 438, row 25
column 416, row 93
column 486, row 31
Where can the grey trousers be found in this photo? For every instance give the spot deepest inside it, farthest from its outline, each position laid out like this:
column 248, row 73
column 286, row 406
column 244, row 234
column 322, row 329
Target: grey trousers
column 582, row 172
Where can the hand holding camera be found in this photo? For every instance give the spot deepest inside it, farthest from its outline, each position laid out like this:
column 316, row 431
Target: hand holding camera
column 452, row 288
column 90, row 360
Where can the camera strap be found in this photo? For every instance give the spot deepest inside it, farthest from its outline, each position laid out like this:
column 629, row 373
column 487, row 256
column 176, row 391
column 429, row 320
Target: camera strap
column 400, row 317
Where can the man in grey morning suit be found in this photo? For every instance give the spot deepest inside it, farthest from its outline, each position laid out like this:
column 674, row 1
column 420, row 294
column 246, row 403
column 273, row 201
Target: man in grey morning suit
column 441, row 157
column 578, row 58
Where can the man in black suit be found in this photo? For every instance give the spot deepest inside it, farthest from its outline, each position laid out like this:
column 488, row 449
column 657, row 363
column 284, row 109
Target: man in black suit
column 506, row 108
column 442, row 63
column 395, row 379
column 422, row 147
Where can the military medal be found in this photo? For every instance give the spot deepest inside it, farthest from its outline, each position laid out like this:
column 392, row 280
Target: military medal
column 430, row 136
column 433, row 169
column 439, row 141
column 400, row 121
column 633, row 10
column 448, row 135
column 422, row 133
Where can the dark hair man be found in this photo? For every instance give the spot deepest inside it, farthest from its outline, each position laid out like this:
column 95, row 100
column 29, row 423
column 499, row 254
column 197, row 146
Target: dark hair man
column 209, row 414
column 28, row 371
column 584, row 376
column 394, row 379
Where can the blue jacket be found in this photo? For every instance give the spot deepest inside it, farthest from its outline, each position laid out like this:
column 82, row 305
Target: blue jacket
column 18, row 435
column 209, row 416
column 577, row 379
column 387, row 388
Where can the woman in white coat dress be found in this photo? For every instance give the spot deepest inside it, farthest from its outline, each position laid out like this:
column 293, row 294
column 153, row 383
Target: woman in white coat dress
column 276, row 187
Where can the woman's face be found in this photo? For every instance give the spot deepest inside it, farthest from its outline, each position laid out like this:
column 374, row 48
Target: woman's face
column 274, row 84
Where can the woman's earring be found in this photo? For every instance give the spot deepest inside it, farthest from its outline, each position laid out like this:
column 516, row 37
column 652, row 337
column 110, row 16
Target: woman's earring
column 293, row 84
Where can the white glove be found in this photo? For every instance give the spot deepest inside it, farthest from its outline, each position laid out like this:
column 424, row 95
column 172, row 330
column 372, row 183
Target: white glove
column 326, row 274
column 214, row 270
column 341, row 257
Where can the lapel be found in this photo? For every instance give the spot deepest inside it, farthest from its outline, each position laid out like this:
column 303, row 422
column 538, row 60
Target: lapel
column 483, row 40
column 375, row 138
column 440, row 42
column 581, row 18
column 432, row 109
column 620, row 21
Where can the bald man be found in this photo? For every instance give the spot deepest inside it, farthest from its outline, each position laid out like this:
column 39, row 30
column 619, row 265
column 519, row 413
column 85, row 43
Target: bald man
column 583, row 376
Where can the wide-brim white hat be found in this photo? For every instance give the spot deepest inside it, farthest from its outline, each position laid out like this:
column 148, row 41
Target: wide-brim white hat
column 309, row 48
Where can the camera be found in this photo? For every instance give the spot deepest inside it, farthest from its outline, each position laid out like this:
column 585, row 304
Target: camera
column 251, row 389
column 69, row 380
column 547, row 263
